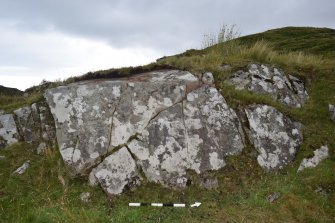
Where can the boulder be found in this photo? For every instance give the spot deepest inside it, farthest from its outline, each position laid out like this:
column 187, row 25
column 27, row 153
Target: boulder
column 271, row 81
column 319, row 155
column 332, row 112
column 169, row 120
column 275, row 136
column 8, row 131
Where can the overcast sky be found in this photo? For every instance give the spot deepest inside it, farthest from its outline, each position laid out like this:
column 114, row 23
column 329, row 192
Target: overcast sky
column 55, row 39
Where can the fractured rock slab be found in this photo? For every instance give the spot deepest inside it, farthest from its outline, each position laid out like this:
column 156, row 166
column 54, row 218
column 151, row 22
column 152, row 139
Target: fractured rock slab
column 115, row 172
column 319, row 155
column 275, row 136
column 8, row 130
column 196, row 134
column 92, row 118
column 272, row 81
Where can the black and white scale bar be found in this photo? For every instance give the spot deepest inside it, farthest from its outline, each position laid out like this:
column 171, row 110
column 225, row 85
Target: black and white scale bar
column 157, row 205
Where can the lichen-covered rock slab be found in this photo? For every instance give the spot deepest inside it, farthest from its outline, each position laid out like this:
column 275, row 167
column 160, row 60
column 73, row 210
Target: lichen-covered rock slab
column 196, row 134
column 170, row 121
column 272, row 81
column 275, row 136
column 115, row 172
column 319, row 155
column 8, row 130
column 92, row 118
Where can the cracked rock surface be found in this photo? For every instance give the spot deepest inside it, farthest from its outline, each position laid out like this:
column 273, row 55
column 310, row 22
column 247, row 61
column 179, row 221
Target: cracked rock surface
column 162, row 122
column 8, row 131
column 275, row 136
column 272, row 81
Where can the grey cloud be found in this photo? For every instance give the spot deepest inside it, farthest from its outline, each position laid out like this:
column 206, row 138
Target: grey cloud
column 165, row 25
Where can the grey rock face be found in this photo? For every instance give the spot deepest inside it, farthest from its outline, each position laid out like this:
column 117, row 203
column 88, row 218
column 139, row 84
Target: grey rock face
column 167, row 119
column 8, row 130
column 93, row 118
column 115, row 172
column 332, row 112
column 196, row 134
column 272, row 81
column 319, row 155
column 274, row 135
column 34, row 123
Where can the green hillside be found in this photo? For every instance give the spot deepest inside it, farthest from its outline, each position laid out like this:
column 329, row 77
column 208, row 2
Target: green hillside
column 48, row 193
column 320, row 41
column 10, row 91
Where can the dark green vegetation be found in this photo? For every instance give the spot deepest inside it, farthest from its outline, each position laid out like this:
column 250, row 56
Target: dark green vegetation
column 320, row 41
column 46, row 193
column 10, row 91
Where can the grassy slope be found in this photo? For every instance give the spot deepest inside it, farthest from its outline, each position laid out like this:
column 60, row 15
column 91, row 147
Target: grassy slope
column 39, row 196
column 319, row 41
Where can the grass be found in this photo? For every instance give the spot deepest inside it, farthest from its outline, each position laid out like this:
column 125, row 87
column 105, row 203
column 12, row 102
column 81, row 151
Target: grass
column 309, row 196
column 39, row 196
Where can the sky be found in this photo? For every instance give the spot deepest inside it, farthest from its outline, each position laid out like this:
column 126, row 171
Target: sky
column 55, row 39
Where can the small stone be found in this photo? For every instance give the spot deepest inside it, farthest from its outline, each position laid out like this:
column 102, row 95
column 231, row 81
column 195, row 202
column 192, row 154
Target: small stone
column 319, row 155
column 207, row 78
column 2, row 157
column 332, row 112
column 273, row 197
column 2, row 112
column 209, row 183
column 22, row 168
column 41, row 149
column 85, row 197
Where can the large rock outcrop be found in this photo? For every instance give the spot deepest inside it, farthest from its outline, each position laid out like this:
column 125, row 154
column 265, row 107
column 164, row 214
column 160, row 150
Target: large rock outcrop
column 165, row 121
column 274, row 135
column 271, row 81
column 8, row 130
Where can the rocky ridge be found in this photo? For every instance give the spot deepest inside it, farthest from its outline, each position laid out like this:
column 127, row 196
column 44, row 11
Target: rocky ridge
column 156, row 126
